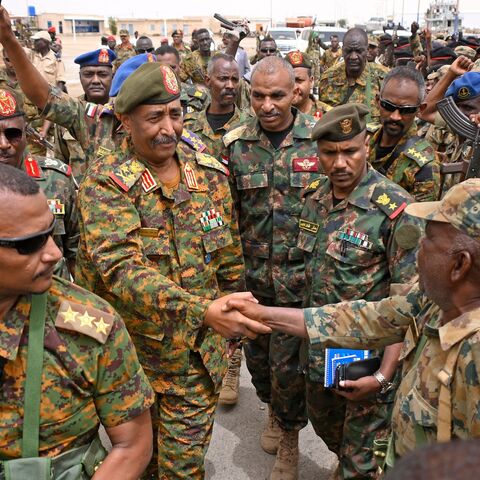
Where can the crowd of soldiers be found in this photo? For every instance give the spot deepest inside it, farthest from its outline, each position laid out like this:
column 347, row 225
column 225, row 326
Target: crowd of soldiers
column 197, row 207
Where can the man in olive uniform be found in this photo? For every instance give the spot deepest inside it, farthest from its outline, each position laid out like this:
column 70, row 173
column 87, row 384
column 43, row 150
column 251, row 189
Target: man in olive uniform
column 354, row 80
column 74, row 345
column 396, row 150
column 159, row 239
column 271, row 161
column 125, row 50
column 179, row 45
column 332, row 55
column 53, row 177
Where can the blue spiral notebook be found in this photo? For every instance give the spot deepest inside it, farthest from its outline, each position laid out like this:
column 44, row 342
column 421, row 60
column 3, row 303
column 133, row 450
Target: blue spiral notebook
column 339, row 356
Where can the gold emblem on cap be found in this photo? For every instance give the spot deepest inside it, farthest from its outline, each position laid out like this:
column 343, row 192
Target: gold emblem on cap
column 296, row 58
column 103, row 56
column 346, row 126
column 170, row 80
column 8, row 104
column 464, row 92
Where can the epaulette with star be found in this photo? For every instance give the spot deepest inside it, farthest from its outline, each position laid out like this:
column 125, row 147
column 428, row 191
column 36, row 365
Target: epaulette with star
column 209, row 161
column 313, row 186
column 86, row 320
column 193, row 140
column 233, row 135
column 391, row 203
column 53, row 164
column 107, row 109
column 127, row 174
column 422, row 153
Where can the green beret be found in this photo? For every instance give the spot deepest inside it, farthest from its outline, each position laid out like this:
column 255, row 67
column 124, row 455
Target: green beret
column 341, row 123
column 149, row 84
column 298, row 59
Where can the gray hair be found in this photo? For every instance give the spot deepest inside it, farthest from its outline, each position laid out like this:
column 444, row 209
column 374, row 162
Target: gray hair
column 270, row 65
column 403, row 73
column 216, row 58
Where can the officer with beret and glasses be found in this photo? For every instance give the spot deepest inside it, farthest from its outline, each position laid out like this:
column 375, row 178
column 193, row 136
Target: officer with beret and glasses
column 438, row 320
column 53, row 177
column 67, row 363
column 395, row 150
column 159, row 240
column 96, row 79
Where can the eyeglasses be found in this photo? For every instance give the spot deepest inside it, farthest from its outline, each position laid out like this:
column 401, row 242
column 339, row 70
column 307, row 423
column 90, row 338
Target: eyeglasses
column 145, row 50
column 29, row 244
column 13, row 135
column 268, row 50
column 402, row 109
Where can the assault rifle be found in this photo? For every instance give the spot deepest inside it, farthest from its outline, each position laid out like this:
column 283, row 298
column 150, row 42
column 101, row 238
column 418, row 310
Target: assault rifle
column 37, row 138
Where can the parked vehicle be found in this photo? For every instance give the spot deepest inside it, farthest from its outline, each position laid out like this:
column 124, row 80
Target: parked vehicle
column 286, row 38
column 323, row 33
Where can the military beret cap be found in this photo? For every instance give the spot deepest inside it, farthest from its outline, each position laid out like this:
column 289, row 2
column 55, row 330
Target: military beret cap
column 123, row 31
column 341, row 123
column 465, row 87
column 298, row 59
column 11, row 104
column 150, row 84
column 465, row 51
column 101, row 57
column 127, row 68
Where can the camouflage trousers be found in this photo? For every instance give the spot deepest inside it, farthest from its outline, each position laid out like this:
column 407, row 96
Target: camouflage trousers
column 349, row 428
column 274, row 363
column 182, row 427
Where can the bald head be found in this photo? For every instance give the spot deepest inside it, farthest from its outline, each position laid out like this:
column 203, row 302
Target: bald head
column 272, row 65
column 355, row 50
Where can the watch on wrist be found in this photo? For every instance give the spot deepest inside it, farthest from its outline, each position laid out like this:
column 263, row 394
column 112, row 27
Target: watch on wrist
column 386, row 386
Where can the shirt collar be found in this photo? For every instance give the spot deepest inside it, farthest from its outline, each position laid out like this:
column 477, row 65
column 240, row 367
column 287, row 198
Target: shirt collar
column 459, row 328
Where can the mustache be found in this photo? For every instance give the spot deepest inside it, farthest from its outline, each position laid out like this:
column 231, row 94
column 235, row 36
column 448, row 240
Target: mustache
column 164, row 140
column 390, row 122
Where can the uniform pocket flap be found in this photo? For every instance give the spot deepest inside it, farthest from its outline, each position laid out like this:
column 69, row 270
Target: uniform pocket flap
column 295, row 254
column 216, row 239
column 349, row 254
column 423, row 413
column 306, row 241
column 260, row 250
column 252, row 180
column 154, row 245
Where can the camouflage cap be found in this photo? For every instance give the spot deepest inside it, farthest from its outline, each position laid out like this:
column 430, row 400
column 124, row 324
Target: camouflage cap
column 41, row 35
column 298, row 59
column 438, row 73
column 459, row 208
column 11, row 104
column 124, row 31
column 341, row 123
column 150, row 84
column 372, row 41
column 465, row 51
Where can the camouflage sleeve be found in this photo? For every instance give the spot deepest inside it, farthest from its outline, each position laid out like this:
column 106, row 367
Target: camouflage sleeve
column 323, row 90
column 416, row 45
column 426, row 184
column 122, row 391
column 61, row 150
column 72, row 231
column 361, row 324
column 109, row 225
column 183, row 73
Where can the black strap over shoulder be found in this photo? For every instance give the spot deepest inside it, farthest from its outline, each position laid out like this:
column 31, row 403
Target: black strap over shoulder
column 396, row 153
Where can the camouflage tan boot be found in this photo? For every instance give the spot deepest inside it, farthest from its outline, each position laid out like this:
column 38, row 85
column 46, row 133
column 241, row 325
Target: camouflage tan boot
column 231, row 381
column 286, row 464
column 271, row 433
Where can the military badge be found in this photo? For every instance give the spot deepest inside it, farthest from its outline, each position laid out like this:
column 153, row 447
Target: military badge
column 463, row 93
column 148, row 182
column 356, row 238
column 346, row 126
column 151, row 58
column 211, row 219
column 305, row 164
column 296, row 58
column 56, row 207
column 308, row 226
column 103, row 56
column 32, row 168
column 383, row 199
column 169, row 80
column 8, row 104
column 193, row 140
column 190, row 177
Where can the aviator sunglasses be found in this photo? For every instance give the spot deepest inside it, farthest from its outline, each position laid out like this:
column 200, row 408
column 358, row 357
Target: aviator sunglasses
column 402, row 109
column 29, row 244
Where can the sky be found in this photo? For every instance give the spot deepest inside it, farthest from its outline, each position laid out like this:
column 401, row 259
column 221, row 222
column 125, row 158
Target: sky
column 353, row 10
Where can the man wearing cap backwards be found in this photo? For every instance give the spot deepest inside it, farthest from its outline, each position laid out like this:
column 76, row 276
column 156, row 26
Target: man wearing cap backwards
column 438, row 320
column 125, row 50
column 77, row 347
column 303, row 99
column 395, row 150
column 160, row 241
column 355, row 80
column 96, row 80
column 53, row 177
column 272, row 160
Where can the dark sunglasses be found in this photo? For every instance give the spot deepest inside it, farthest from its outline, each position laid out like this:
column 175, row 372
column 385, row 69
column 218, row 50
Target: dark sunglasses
column 29, row 244
column 13, row 135
column 145, row 50
column 402, row 109
column 268, row 50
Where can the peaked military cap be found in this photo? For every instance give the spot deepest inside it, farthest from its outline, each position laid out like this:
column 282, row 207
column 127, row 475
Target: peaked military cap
column 11, row 104
column 123, row 31
column 150, row 84
column 298, row 59
column 101, row 57
column 465, row 87
column 341, row 123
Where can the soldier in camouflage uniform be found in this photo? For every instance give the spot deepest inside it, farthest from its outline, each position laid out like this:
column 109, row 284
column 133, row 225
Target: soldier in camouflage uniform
column 438, row 320
column 162, row 245
column 53, row 177
column 355, row 80
column 395, row 150
column 271, row 161
column 90, row 374
column 125, row 50
column 179, row 45
column 332, row 55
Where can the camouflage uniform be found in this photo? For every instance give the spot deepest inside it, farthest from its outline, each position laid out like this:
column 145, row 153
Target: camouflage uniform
column 149, row 250
column 333, row 87
column 330, row 59
column 123, row 53
column 198, row 124
column 194, row 67
column 268, row 186
column 193, row 99
column 318, row 109
column 59, row 186
column 91, row 373
column 416, row 168
column 409, row 318
column 416, row 45
column 337, row 269
column 184, row 51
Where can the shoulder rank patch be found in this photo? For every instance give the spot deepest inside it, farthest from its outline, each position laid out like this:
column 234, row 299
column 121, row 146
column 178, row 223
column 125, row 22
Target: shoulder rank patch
column 314, row 185
column 416, row 154
column 107, row 109
column 308, row 226
column 57, row 165
column 190, row 177
column 148, row 182
column 389, row 203
column 127, row 174
column 233, row 135
column 87, row 320
column 193, row 140
column 209, row 161
column 32, row 168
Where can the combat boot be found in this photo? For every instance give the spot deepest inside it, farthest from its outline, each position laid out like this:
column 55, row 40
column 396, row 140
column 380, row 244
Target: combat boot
column 231, row 381
column 271, row 433
column 286, row 464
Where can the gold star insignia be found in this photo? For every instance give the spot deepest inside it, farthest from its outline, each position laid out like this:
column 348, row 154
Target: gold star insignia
column 86, row 319
column 383, row 199
column 101, row 326
column 70, row 316
column 411, row 151
column 392, row 206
